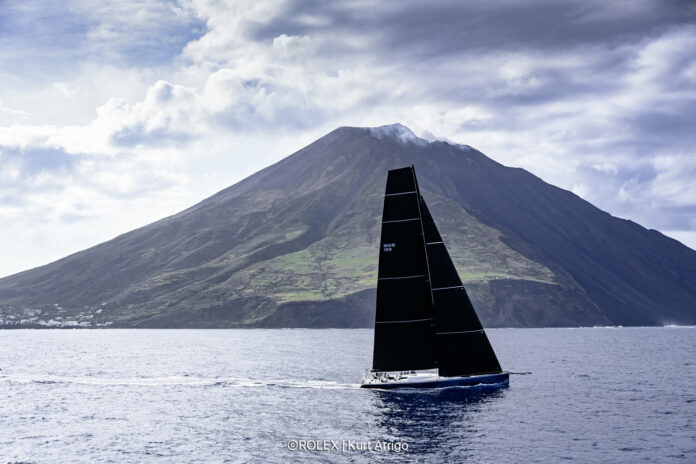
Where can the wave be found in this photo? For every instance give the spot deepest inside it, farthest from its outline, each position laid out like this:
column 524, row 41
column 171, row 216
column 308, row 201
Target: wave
column 184, row 381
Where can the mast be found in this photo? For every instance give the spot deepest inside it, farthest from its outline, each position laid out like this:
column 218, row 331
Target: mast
column 421, row 205
column 404, row 320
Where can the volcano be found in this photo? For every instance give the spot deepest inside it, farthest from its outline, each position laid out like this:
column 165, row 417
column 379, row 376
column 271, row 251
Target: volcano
column 296, row 245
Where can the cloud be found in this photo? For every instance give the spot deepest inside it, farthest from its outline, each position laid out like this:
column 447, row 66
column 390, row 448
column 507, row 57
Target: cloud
column 166, row 116
column 41, row 36
column 32, row 163
column 156, row 104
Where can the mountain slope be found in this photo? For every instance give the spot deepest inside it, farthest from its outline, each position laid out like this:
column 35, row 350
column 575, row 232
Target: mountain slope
column 296, row 245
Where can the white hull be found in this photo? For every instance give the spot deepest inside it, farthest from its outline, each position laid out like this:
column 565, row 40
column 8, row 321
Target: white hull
column 391, row 380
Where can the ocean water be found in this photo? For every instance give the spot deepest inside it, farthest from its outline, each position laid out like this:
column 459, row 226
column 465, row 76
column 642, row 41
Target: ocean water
column 96, row 396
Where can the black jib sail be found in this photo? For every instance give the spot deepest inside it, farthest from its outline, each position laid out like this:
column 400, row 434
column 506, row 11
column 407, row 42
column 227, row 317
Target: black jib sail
column 424, row 316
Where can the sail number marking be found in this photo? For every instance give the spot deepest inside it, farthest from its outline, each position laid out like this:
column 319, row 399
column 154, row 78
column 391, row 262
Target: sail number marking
column 389, row 246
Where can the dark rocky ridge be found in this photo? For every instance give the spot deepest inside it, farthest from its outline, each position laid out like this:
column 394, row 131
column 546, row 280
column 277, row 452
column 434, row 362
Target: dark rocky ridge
column 295, row 245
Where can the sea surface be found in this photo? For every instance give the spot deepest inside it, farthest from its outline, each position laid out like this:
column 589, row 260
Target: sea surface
column 619, row 395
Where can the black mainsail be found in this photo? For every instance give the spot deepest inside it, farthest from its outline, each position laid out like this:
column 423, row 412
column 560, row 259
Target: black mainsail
column 404, row 335
column 424, row 317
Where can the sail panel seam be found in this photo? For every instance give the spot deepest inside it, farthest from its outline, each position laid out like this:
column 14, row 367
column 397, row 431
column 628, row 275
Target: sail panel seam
column 435, row 243
column 460, row 332
column 402, row 277
column 448, row 288
column 401, row 322
column 399, row 193
column 400, row 220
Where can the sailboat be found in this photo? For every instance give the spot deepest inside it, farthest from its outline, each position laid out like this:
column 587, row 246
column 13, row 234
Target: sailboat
column 427, row 333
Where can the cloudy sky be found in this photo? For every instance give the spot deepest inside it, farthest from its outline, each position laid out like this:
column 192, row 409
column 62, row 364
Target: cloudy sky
column 114, row 114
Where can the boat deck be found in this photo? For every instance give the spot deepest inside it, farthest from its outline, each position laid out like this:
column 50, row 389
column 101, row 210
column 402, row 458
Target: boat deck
column 429, row 379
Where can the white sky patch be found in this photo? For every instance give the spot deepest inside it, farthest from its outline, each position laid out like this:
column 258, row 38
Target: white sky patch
column 118, row 114
column 687, row 237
